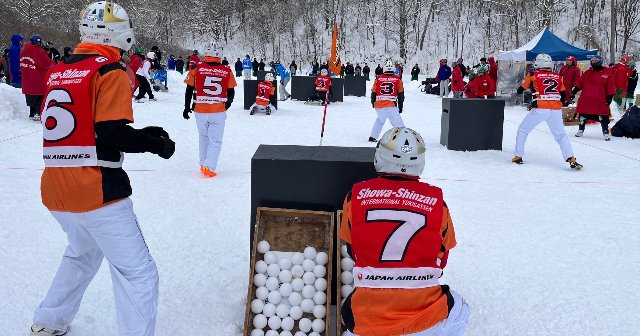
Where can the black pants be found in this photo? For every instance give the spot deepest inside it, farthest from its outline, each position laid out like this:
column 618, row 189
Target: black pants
column 319, row 95
column 604, row 121
column 144, row 88
column 34, row 103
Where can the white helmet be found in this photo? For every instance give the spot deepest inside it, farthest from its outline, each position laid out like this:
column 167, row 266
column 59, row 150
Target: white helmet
column 543, row 61
column 388, row 67
column 400, row 151
column 324, row 72
column 213, row 52
column 106, row 23
column 269, row 76
column 151, row 55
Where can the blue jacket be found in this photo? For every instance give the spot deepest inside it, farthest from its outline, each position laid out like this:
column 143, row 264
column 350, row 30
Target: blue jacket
column 246, row 64
column 171, row 63
column 14, row 59
column 282, row 72
column 444, row 72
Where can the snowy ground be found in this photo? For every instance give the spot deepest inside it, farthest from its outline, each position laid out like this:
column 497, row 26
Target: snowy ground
column 542, row 250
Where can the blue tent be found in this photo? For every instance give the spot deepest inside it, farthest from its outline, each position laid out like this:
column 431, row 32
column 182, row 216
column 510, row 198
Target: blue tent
column 545, row 43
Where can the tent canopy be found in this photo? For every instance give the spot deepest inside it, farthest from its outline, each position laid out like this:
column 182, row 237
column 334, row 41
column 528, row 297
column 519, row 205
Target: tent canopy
column 545, row 43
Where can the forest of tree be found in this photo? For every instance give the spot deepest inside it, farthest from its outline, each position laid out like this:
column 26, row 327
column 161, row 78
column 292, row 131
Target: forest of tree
column 408, row 31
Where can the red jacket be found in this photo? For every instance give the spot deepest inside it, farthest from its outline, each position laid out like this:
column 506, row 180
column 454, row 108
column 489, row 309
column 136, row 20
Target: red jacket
column 34, row 64
column 570, row 75
column 596, row 85
column 136, row 62
column 457, row 83
column 621, row 75
column 484, row 86
column 493, row 70
column 194, row 60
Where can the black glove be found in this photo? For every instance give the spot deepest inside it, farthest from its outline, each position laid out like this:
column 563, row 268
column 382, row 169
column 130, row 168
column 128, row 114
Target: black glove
column 155, row 131
column 566, row 103
column 400, row 109
column 572, row 97
column 609, row 99
column 227, row 104
column 168, row 149
column 185, row 113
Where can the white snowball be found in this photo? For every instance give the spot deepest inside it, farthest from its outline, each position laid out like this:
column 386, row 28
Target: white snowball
column 307, row 305
column 263, row 247
column 275, row 297
column 297, row 258
column 297, row 271
column 322, row 258
column 313, row 333
column 260, row 321
column 310, row 252
column 270, row 258
column 346, row 277
column 284, row 263
column 346, row 290
column 319, row 298
column 319, row 311
column 287, row 324
column 271, row 333
column 320, row 284
column 273, row 270
column 309, row 278
column 285, row 332
column 285, row 276
column 317, row 325
column 308, row 292
column 261, row 267
column 256, row 306
column 295, row 312
column 304, row 325
column 282, row 310
column 259, row 280
column 297, row 285
column 262, row 293
column 343, row 251
column 299, row 333
column 286, row 289
column 346, row 264
column 295, row 299
column 272, row 283
column 308, row 265
column 257, row 332
column 319, row 271
column 274, row 322
column 269, row 310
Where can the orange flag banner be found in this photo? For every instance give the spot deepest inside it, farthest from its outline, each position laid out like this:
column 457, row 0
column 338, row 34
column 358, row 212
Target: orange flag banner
column 334, row 60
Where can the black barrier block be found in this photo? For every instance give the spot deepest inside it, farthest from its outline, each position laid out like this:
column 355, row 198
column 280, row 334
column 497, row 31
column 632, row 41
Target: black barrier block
column 355, row 86
column 303, row 86
column 262, row 73
column 472, row 124
column 251, row 92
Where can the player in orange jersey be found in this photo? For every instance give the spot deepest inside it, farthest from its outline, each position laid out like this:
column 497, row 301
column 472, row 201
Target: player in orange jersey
column 387, row 97
column 214, row 86
column 399, row 232
column 322, row 90
column 263, row 98
column 548, row 98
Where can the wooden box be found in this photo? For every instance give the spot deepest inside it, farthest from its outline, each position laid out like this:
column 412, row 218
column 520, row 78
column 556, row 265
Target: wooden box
column 289, row 230
column 340, row 328
column 569, row 116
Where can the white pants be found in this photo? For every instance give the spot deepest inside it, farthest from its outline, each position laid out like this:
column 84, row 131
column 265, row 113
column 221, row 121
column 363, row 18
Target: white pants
column 556, row 126
column 453, row 325
column 111, row 232
column 282, row 88
column 211, row 130
column 246, row 73
column 384, row 113
column 263, row 108
column 444, row 88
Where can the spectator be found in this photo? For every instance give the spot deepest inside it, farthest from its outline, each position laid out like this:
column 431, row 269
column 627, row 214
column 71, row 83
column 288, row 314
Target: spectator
column 254, row 66
column 261, row 65
column 171, row 63
column 225, row 62
column 143, row 75
column 366, row 71
column 238, row 67
column 5, row 66
column 66, row 52
column 247, row 66
column 285, row 77
column 34, row 64
column 598, row 89
column 457, row 81
column 194, row 60
column 633, row 82
column 483, row 85
column 463, row 69
column 358, row 70
column 180, row 65
column 621, row 73
column 293, row 68
column 378, row 70
column 54, row 54
column 315, row 67
column 342, row 70
column 493, row 69
column 399, row 69
column 415, row 71
column 349, row 70
column 570, row 74
column 470, row 89
column 14, row 61
column 444, row 77
column 483, row 62
column 158, row 53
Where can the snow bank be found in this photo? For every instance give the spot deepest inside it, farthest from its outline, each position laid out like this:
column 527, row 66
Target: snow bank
column 12, row 103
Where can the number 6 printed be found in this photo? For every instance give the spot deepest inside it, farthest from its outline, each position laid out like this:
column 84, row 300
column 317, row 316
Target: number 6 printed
column 396, row 245
column 58, row 122
column 210, row 81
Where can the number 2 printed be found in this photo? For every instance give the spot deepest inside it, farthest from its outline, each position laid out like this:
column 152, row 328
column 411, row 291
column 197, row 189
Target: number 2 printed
column 409, row 224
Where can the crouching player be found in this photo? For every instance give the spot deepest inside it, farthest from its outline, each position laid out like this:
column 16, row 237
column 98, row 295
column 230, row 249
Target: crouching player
column 399, row 232
column 263, row 98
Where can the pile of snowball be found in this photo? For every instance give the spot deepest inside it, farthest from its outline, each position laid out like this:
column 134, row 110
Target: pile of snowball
column 289, row 286
column 346, row 266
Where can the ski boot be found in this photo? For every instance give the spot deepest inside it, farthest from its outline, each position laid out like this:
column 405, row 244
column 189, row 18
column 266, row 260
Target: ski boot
column 517, row 160
column 573, row 164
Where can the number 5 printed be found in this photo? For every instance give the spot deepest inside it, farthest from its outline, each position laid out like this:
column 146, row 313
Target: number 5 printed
column 409, row 224
column 212, row 82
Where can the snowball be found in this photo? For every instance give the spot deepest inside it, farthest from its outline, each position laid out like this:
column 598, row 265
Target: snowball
column 308, row 265
column 307, row 305
column 260, row 321
column 322, row 258
column 343, row 251
column 296, row 271
column 319, row 298
column 285, row 332
column 256, row 306
column 297, row 285
column 285, row 276
column 282, row 310
column 309, row 278
column 319, row 271
column 270, row 258
column 269, row 310
column 346, row 277
column 317, row 325
column 287, row 324
column 257, row 332
column 274, row 322
column 319, row 311
column 310, row 252
column 295, row 299
column 308, row 292
column 313, row 333
column 261, row 267
column 284, row 263
column 346, row 290
column 273, row 270
column 304, row 325
column 272, row 283
column 271, row 333
column 320, row 284
column 259, row 280
column 275, row 297
column 295, row 312
column 263, row 247
column 262, row 293
column 297, row 258
column 346, row 264
column 286, row 289
column 299, row 333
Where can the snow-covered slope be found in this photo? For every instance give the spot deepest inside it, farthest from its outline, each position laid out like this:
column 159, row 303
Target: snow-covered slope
column 542, row 250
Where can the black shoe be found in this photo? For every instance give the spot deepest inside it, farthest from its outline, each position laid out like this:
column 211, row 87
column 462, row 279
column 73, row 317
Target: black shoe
column 372, row 139
column 268, row 110
column 253, row 111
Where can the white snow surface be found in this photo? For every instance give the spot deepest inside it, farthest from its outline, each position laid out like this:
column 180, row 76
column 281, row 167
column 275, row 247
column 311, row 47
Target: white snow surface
column 542, row 250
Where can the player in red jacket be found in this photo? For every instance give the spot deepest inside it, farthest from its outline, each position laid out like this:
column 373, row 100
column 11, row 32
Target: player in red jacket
column 399, row 232
column 263, row 97
column 484, row 85
column 598, row 90
column 570, row 74
column 322, row 90
column 34, row 64
column 621, row 73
